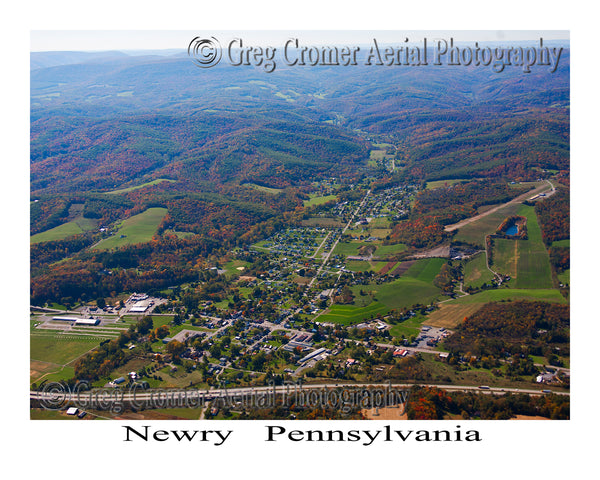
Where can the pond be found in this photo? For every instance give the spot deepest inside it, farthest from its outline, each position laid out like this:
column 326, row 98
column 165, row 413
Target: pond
column 512, row 230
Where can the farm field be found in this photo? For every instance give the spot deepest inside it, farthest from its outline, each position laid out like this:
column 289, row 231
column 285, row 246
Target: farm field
column 451, row 315
column 505, row 256
column 476, row 272
column 74, row 227
column 350, row 314
column 415, row 286
column 137, row 229
column 499, row 294
column 426, row 269
column 533, row 265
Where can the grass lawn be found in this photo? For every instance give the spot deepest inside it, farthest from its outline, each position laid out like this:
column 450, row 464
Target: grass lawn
column 235, row 267
column 180, row 378
column 55, row 349
column 562, row 243
column 409, row 327
column 137, row 229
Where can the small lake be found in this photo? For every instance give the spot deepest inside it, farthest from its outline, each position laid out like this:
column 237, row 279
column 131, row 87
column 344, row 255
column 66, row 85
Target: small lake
column 512, row 230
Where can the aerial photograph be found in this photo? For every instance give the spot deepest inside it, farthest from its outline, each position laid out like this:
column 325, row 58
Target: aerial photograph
column 301, row 225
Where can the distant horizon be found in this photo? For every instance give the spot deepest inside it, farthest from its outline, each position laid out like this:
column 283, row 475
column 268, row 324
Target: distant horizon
column 92, row 41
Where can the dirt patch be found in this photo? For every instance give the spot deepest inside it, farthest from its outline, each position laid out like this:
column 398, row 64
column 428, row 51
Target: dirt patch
column 450, row 316
column 387, row 267
column 402, row 268
column 442, row 251
column 388, row 413
column 529, row 417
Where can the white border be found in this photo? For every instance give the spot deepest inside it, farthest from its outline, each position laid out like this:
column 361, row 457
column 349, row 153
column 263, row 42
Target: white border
column 59, row 449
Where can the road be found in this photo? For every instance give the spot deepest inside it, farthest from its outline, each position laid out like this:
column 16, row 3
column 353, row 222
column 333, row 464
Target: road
column 326, row 259
column 150, row 398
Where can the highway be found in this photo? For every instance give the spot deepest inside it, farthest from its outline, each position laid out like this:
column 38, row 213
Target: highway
column 154, row 397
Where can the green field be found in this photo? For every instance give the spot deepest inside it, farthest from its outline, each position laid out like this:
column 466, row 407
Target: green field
column 350, row 314
column 409, row 327
column 499, row 294
column 235, row 267
column 476, row 272
column 319, row 200
column 147, row 184
column 562, row 243
column 533, row 265
column 565, row 277
column 380, row 222
column 348, row 248
column 385, row 250
column 505, row 256
column 74, row 227
column 405, row 292
column 137, row 229
column 426, row 269
column 415, row 286
column 58, row 350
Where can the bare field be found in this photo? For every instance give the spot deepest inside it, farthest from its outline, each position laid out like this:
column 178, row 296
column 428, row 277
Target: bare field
column 450, row 316
column 387, row 413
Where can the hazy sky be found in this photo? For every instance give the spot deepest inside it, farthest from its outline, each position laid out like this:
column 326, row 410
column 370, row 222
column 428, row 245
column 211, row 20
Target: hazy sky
column 93, row 40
